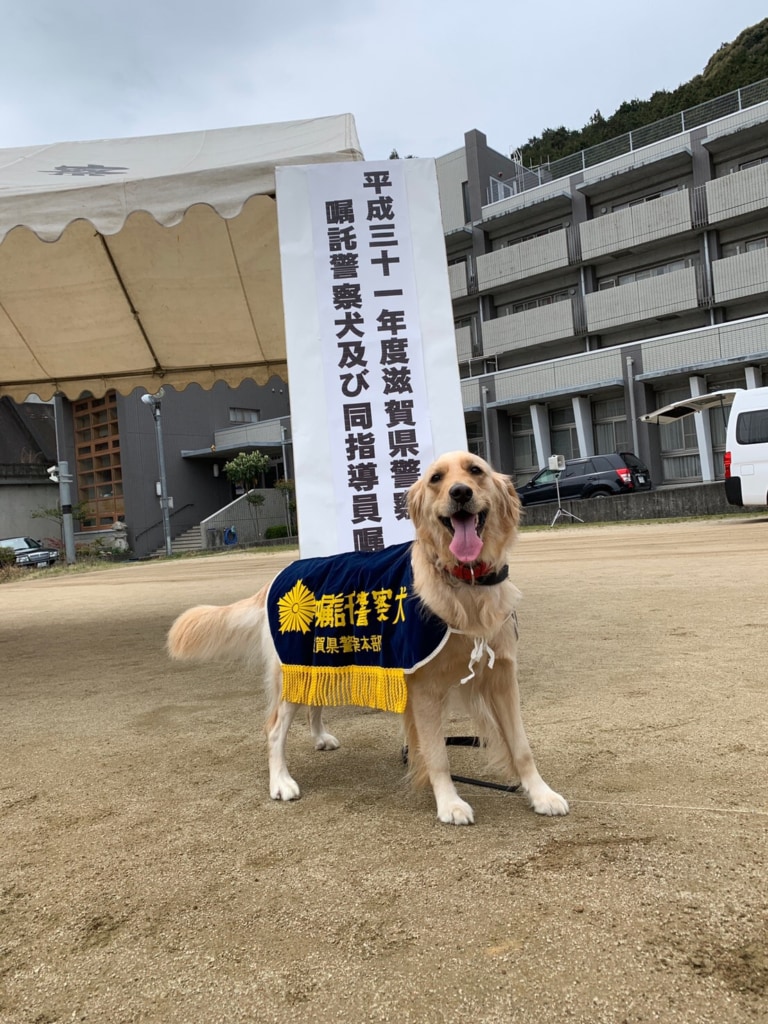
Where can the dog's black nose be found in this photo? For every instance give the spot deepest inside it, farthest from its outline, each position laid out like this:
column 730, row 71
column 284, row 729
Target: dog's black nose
column 461, row 494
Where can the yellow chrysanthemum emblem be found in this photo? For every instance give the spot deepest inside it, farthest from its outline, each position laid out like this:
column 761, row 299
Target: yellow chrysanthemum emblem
column 296, row 609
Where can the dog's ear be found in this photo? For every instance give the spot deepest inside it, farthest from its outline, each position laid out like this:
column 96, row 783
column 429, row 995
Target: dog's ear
column 416, row 503
column 510, row 502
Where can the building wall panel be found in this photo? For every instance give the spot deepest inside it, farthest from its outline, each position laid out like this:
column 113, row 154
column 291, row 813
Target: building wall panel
column 660, row 218
column 531, row 327
column 451, row 172
column 642, row 300
column 457, row 280
column 464, row 343
column 593, row 369
column 741, row 276
column 526, row 259
column 470, row 393
column 589, row 370
column 709, row 345
column 737, row 194
column 744, row 339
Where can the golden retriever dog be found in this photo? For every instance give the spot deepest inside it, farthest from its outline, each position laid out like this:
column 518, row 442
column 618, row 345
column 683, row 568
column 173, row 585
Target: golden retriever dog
column 465, row 517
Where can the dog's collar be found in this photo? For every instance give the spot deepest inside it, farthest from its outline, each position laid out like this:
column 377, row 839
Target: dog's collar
column 481, row 574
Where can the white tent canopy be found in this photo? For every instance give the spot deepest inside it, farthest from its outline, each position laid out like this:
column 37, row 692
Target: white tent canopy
column 148, row 261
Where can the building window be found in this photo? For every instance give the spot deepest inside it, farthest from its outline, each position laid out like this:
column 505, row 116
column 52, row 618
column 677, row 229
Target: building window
column 539, row 300
column 718, row 420
column 470, row 322
column 524, row 459
column 750, row 245
column 647, row 199
column 616, row 280
column 243, row 415
column 680, row 460
column 534, row 234
column 562, row 431
column 611, row 431
column 97, row 456
column 475, row 439
column 465, row 202
column 754, row 162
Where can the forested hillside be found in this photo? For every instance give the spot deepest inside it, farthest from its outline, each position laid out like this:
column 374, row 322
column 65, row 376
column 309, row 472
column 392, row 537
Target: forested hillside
column 734, row 65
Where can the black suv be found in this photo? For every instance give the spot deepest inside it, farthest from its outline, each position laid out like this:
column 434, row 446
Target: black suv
column 596, row 477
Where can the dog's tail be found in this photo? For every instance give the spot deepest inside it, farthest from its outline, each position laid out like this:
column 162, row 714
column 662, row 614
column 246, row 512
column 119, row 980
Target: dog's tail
column 228, row 632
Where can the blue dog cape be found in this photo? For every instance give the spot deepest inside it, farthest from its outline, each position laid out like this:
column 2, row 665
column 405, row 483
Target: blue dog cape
column 349, row 628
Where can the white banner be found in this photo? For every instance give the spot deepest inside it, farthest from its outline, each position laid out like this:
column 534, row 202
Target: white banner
column 372, row 365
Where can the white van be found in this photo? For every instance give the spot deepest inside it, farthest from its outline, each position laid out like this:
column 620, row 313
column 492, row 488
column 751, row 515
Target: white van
column 746, row 442
column 746, row 449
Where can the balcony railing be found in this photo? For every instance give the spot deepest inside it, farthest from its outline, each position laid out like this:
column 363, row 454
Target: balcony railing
column 731, row 103
column 740, row 277
column 735, row 195
column 654, row 297
column 523, row 260
column 636, row 225
column 530, row 327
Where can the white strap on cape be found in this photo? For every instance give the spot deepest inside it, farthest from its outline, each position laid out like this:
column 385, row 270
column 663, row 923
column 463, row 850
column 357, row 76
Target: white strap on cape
column 481, row 647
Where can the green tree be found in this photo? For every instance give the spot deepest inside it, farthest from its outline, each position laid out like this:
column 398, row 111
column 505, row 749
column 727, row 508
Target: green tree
column 288, row 489
column 733, row 66
column 246, row 468
column 81, row 512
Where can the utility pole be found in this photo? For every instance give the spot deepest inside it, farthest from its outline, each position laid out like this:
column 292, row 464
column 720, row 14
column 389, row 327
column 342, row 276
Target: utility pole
column 155, row 403
column 60, row 475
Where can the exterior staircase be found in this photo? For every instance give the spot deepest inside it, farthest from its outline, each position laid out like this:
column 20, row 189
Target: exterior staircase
column 190, row 540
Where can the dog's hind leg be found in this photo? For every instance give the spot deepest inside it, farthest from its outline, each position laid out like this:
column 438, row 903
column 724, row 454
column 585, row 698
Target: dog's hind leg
column 424, row 723
column 281, row 785
column 322, row 740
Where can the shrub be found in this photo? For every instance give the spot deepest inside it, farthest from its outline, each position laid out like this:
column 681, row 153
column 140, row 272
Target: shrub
column 273, row 532
column 7, row 556
column 9, row 571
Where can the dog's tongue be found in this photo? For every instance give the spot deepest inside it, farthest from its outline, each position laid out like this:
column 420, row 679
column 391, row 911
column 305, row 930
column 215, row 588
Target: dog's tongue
column 466, row 544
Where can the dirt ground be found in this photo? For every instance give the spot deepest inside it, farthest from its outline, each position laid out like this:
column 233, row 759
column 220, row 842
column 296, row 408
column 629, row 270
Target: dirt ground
column 145, row 875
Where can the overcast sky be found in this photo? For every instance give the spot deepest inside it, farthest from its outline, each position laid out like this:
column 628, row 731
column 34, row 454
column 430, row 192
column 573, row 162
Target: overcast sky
column 416, row 74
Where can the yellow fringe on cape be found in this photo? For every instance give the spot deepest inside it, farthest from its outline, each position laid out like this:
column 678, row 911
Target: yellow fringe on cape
column 364, row 686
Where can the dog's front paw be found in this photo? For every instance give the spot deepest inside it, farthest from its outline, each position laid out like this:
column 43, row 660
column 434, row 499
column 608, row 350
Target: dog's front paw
column 325, row 741
column 546, row 801
column 456, row 812
column 283, row 787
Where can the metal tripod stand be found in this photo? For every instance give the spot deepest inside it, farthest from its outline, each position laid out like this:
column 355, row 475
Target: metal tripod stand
column 561, row 512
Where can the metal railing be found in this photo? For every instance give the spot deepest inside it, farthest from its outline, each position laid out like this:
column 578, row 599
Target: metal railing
column 26, row 470
column 531, row 177
column 245, row 520
column 173, row 512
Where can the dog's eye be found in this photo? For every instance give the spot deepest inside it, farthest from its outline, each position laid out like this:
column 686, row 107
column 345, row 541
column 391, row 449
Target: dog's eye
column 476, row 470
column 436, row 478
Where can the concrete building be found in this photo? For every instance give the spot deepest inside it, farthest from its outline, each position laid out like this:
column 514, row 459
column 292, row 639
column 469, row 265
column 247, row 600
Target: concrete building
column 585, row 293
column 617, row 280
column 110, row 444
column 27, row 447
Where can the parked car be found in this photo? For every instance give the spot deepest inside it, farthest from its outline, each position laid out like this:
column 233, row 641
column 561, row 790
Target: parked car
column 596, row 477
column 30, row 553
